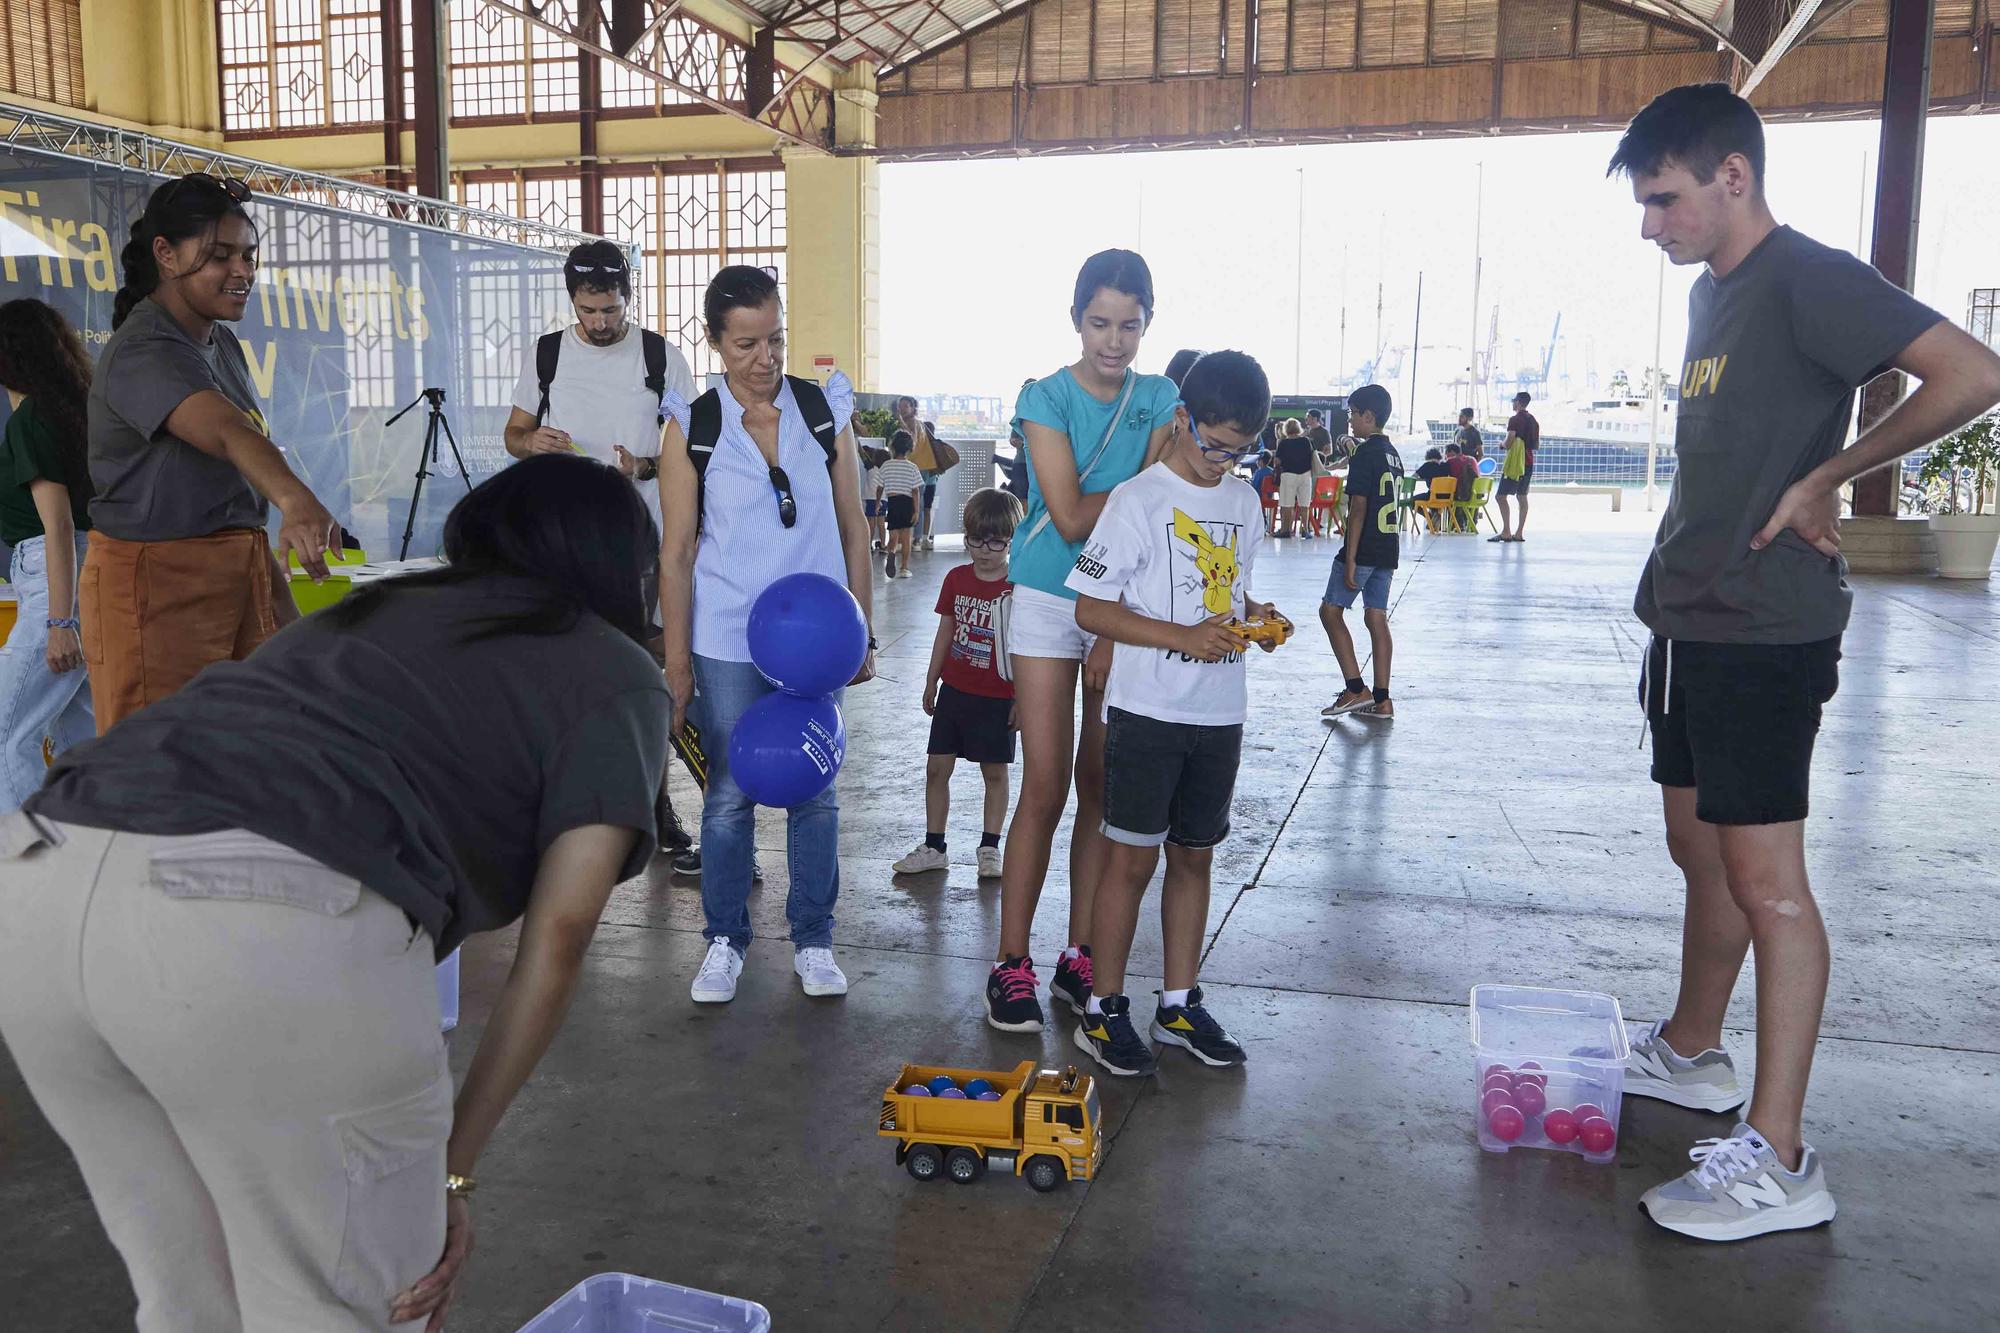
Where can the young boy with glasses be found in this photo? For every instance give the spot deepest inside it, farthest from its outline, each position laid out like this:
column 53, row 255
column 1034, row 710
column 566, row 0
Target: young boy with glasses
column 1164, row 573
column 970, row 703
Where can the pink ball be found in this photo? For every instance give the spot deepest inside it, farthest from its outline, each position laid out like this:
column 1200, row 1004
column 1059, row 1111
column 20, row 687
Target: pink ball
column 1560, row 1126
column 1597, row 1135
column 1529, row 1070
column 1506, row 1123
column 1529, row 1098
column 1498, row 1069
column 1500, row 1081
column 1494, row 1099
column 1588, row 1111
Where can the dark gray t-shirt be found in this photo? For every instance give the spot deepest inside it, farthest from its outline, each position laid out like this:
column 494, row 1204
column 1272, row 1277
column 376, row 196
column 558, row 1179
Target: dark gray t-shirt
column 1775, row 352
column 151, row 485
column 435, row 771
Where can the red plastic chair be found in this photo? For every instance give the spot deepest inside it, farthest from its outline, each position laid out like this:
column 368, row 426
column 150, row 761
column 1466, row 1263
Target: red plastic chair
column 1267, row 494
column 1326, row 503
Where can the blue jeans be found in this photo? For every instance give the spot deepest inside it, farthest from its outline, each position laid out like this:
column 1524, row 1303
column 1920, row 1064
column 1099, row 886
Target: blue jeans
column 34, row 701
column 724, row 691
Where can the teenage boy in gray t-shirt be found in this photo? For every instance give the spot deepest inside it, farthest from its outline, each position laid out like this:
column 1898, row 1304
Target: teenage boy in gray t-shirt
column 1746, row 597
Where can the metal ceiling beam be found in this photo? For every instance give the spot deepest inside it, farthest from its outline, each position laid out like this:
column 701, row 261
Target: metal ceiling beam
column 1002, row 10
column 793, row 117
column 820, row 9
column 1828, row 12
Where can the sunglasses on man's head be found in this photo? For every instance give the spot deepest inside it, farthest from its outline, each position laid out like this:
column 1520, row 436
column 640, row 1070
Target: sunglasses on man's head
column 597, row 268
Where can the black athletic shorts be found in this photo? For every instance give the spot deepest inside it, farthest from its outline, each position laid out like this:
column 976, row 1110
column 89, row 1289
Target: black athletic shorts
column 1737, row 722
column 1168, row 781
column 1517, row 485
column 972, row 726
column 902, row 513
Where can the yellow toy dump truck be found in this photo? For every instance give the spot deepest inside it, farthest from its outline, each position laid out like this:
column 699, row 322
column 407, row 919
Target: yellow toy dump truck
column 1042, row 1124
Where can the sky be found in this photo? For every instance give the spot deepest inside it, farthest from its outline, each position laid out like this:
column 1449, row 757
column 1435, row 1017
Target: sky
column 978, row 258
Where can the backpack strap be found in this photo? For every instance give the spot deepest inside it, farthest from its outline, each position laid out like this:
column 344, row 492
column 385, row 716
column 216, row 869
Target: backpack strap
column 548, row 350
column 655, row 348
column 705, row 429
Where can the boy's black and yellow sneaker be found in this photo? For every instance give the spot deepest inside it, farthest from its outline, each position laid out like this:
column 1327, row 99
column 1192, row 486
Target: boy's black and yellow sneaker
column 1072, row 980
column 1110, row 1039
column 1191, row 1026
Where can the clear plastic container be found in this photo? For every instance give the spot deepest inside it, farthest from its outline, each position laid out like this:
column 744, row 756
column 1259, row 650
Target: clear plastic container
column 621, row 1303
column 1554, row 1057
column 447, row 983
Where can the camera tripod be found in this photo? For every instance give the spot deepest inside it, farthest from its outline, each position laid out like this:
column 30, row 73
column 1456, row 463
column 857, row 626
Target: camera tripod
column 427, row 459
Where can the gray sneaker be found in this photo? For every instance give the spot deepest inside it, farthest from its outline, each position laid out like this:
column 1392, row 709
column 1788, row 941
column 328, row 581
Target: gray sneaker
column 1740, row 1190
column 1706, row 1082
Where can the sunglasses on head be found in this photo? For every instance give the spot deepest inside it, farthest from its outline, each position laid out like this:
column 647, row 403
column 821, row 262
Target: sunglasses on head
column 597, row 268
column 781, row 486
column 235, row 189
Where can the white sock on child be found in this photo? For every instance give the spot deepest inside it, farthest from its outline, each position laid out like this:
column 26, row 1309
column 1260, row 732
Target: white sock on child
column 1173, row 999
column 1091, row 1006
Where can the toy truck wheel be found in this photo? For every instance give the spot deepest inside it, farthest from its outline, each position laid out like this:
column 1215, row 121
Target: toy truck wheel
column 924, row 1162
column 964, row 1165
column 1044, row 1174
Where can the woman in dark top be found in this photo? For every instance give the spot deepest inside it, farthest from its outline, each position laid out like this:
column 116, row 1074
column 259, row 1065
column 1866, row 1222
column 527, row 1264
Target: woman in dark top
column 222, row 918
column 44, row 514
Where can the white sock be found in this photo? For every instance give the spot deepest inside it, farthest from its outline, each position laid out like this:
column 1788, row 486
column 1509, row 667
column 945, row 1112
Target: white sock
column 1173, row 999
column 1091, row 1006
column 1071, row 954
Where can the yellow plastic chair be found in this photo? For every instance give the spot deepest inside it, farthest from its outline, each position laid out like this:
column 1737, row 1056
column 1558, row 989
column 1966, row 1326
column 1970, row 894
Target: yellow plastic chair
column 1436, row 507
column 1472, row 510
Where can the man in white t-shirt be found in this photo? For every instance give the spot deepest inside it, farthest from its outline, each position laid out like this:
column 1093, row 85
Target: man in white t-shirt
column 594, row 388
column 1162, row 576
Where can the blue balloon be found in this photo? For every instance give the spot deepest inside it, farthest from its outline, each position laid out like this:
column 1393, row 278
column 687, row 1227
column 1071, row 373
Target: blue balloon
column 807, row 635
column 786, row 750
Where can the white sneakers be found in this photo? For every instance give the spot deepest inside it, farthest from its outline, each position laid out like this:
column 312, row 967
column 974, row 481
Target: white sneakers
column 922, row 858
column 818, row 973
column 1740, row 1189
column 715, row 983
column 989, row 863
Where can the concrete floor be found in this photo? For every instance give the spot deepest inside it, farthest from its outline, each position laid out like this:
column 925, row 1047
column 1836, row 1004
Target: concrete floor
column 1501, row 829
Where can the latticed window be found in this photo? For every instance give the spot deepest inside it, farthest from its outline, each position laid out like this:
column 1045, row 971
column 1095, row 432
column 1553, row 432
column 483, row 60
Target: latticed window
column 504, row 68
column 300, row 64
column 41, row 50
column 552, row 198
column 686, row 223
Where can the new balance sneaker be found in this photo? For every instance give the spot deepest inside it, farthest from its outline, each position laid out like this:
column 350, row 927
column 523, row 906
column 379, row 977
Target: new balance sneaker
column 818, row 973
column 1109, row 1038
column 715, row 983
column 1011, row 1005
column 989, row 863
column 1705, row 1082
column 1740, row 1190
column 1073, row 980
column 1192, row 1027
column 923, row 857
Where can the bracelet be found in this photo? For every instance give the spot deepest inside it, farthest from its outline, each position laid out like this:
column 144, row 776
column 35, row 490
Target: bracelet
column 460, row 1187
column 67, row 622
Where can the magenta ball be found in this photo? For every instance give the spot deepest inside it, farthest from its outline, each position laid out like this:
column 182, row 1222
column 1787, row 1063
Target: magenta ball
column 916, row 1090
column 1597, row 1135
column 1588, row 1111
column 1528, row 1096
column 958, row 1093
column 1497, row 1079
column 989, row 1096
column 1494, row 1099
column 1560, row 1126
column 1498, row 1069
column 1507, row 1123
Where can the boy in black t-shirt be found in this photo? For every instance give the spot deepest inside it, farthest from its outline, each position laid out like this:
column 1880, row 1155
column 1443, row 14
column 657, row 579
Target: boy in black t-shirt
column 1367, row 561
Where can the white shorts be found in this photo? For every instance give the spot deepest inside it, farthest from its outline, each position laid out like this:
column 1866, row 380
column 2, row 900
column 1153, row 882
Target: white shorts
column 1044, row 625
column 1295, row 490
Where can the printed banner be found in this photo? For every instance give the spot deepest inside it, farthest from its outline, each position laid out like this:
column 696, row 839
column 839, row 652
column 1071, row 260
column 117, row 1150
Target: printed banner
column 352, row 318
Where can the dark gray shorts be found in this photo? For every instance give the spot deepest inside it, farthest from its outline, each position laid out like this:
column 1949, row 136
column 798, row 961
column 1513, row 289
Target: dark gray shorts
column 1168, row 781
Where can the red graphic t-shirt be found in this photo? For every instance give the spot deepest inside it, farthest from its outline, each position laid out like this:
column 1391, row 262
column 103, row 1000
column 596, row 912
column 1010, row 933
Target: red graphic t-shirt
column 970, row 601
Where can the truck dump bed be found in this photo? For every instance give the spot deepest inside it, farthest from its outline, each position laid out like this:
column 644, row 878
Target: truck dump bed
column 949, row 1119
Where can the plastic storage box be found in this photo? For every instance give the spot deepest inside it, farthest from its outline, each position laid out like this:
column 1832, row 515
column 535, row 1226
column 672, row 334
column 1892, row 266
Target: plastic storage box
column 621, row 1303
column 447, row 982
column 1554, row 1057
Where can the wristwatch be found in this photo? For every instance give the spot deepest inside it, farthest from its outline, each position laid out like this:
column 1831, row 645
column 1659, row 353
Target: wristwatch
column 460, row 1187
column 872, row 645
column 649, row 468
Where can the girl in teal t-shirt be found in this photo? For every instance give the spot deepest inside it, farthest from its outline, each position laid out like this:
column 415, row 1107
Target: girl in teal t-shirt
column 1099, row 417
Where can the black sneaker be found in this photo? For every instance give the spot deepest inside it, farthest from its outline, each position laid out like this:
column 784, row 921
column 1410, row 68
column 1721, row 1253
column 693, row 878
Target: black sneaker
column 668, row 831
column 1110, row 1039
column 1191, row 1026
column 1072, row 980
column 889, row 565
column 1011, row 1005
column 688, row 862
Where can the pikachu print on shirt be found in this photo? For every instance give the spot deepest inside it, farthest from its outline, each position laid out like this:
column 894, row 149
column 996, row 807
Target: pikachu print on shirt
column 1206, row 572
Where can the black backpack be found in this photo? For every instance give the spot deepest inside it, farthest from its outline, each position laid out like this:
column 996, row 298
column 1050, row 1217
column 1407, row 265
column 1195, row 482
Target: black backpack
column 705, row 428
column 548, row 350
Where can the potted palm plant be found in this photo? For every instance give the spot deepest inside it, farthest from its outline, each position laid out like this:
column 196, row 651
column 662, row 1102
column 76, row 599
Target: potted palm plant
column 1963, row 473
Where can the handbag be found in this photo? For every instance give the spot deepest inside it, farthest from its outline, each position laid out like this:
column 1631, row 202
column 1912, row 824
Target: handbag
column 1516, row 464
column 945, row 455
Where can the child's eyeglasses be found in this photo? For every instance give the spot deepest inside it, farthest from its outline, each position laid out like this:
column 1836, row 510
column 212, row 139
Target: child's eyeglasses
column 1220, row 453
column 988, row 543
